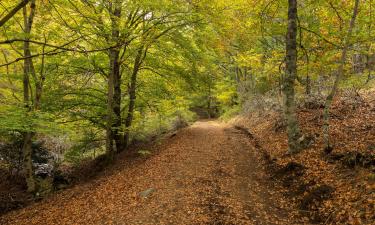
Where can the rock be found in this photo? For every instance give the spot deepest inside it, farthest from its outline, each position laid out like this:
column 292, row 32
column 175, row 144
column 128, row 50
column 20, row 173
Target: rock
column 146, row 193
column 43, row 169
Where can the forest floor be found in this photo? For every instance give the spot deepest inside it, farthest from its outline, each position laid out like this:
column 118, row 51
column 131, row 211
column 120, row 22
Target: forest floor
column 208, row 173
column 231, row 173
column 329, row 187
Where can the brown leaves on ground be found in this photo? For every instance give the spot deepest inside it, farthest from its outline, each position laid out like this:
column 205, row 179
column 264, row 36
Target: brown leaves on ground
column 208, row 173
column 352, row 131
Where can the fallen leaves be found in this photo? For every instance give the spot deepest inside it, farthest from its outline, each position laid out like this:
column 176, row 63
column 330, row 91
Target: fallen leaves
column 207, row 174
column 353, row 133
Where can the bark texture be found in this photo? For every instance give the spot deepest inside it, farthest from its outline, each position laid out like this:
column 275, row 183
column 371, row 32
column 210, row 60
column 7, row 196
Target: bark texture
column 132, row 95
column 114, row 81
column 28, row 69
column 289, row 79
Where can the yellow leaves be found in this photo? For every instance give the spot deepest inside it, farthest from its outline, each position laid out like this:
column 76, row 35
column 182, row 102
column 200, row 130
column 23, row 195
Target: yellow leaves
column 249, row 58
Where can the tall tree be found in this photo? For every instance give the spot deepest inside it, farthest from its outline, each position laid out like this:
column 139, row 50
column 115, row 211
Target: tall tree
column 289, row 79
column 113, row 80
column 28, row 69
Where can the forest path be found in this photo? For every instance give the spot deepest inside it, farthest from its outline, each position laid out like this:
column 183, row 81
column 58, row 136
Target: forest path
column 209, row 173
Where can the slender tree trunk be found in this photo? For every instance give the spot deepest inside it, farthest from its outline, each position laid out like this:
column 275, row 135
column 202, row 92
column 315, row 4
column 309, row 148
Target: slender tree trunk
column 38, row 87
column 132, row 96
column 28, row 163
column 308, row 79
column 308, row 83
column 28, row 135
column 237, row 74
column 339, row 74
column 110, row 113
column 209, row 100
column 289, row 80
column 117, row 102
column 369, row 76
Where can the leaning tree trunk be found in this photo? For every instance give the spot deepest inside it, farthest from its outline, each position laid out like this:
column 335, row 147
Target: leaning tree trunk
column 289, row 79
column 339, row 74
column 28, row 135
column 132, row 96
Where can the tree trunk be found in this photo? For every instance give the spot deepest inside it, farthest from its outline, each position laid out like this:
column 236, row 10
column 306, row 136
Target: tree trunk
column 113, row 95
column 132, row 96
column 209, row 99
column 28, row 135
column 110, row 113
column 289, row 80
column 28, row 163
column 339, row 74
column 308, row 83
column 117, row 101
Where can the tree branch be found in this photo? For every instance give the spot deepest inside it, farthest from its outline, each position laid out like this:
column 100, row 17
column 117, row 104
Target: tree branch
column 13, row 12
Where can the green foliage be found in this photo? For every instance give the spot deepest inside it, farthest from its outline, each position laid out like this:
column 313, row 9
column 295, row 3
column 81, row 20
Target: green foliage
column 357, row 81
column 230, row 112
column 210, row 55
column 14, row 118
column 86, row 145
column 226, row 93
column 143, row 152
column 166, row 116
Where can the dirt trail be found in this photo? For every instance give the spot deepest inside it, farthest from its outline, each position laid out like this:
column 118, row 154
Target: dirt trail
column 208, row 173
